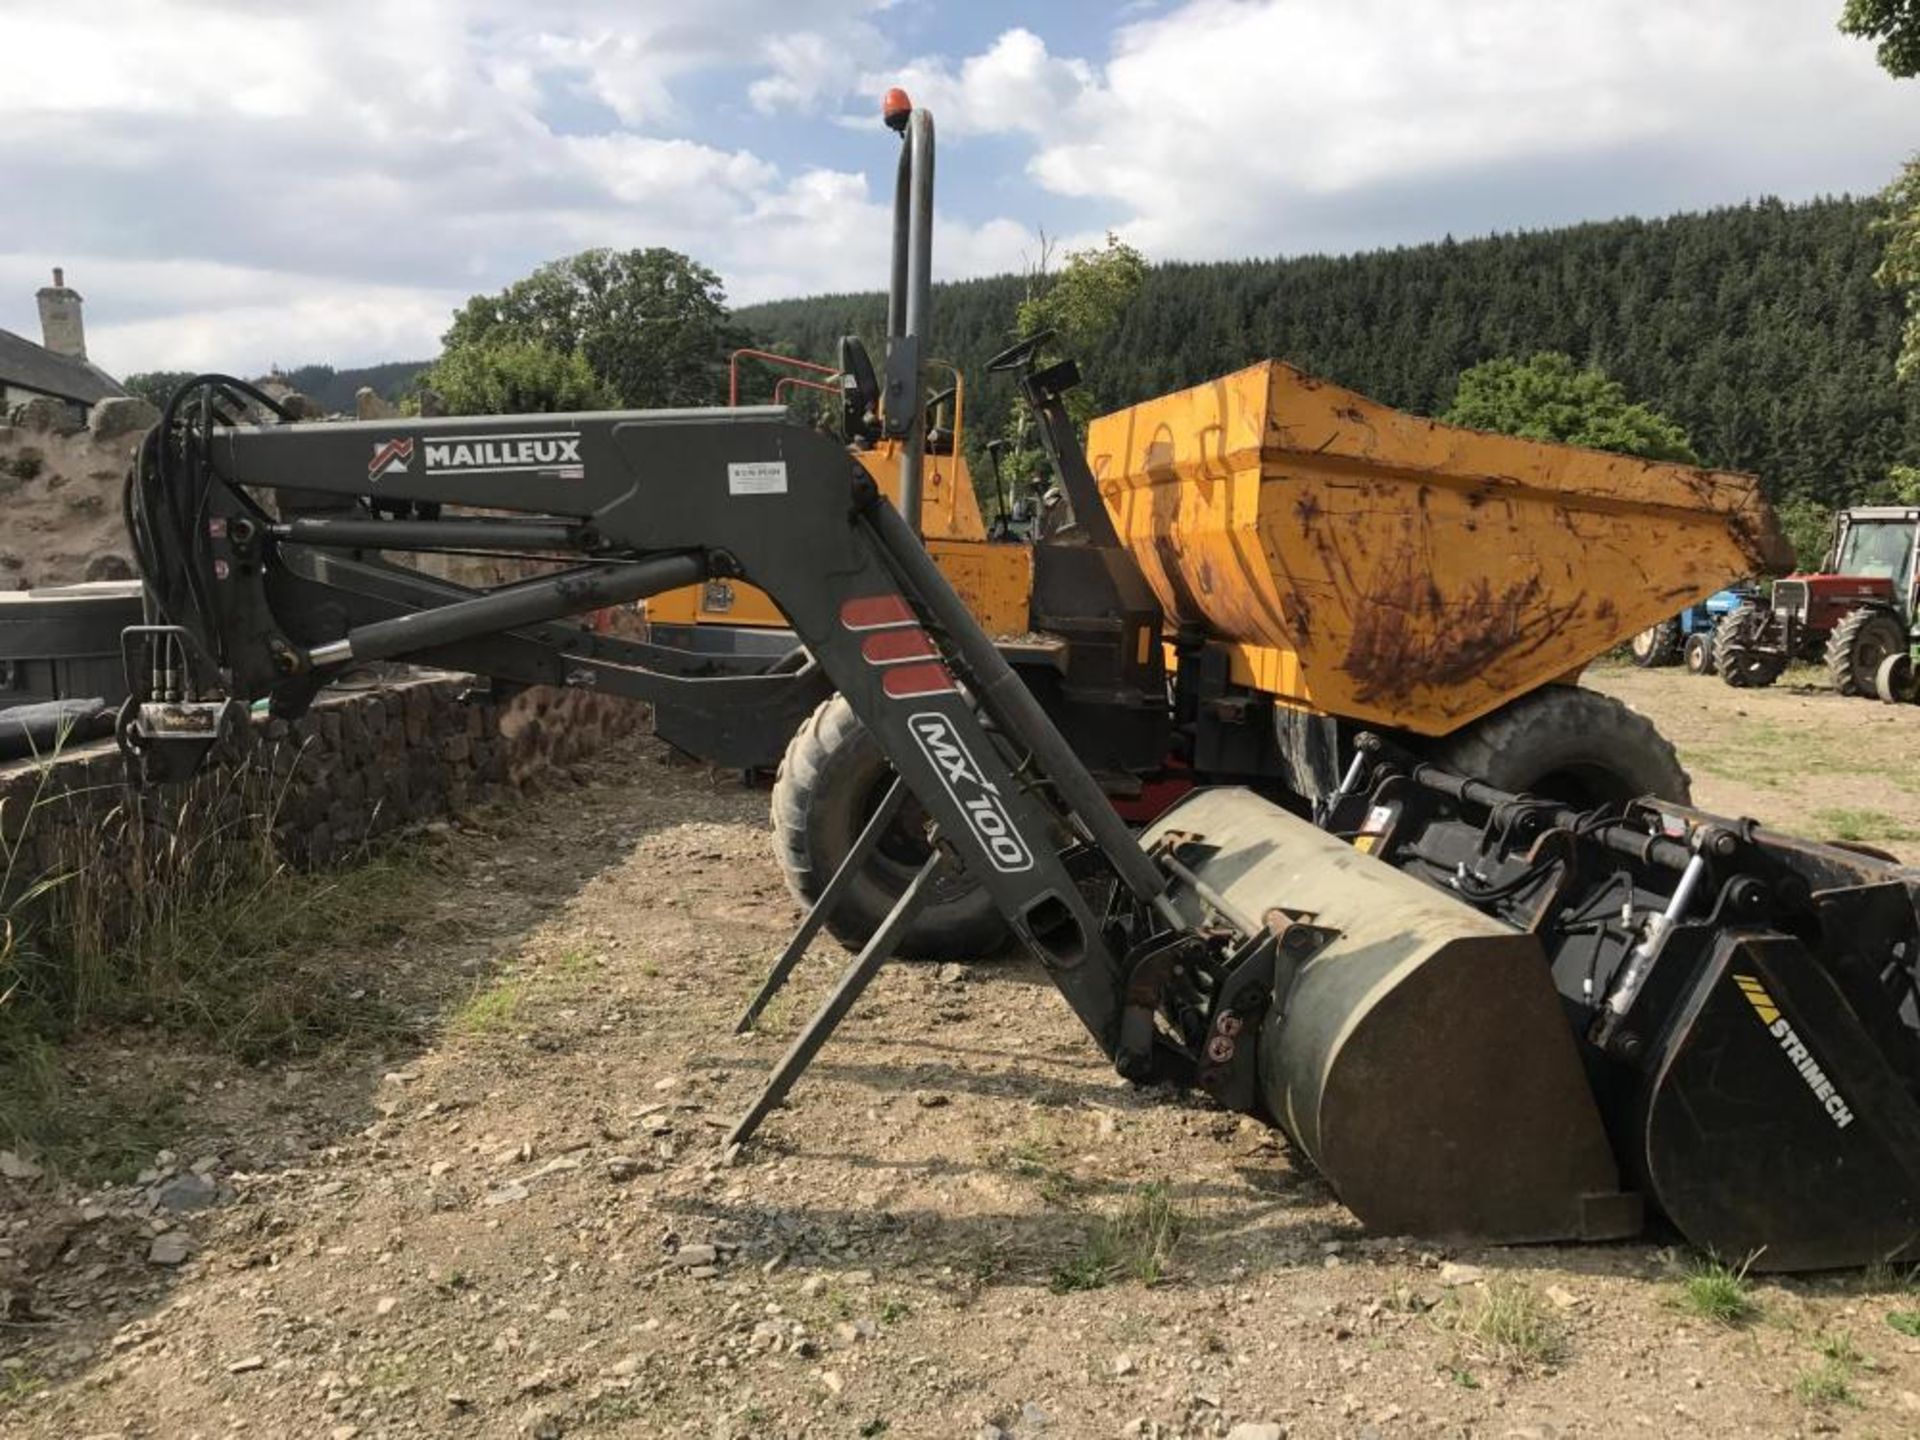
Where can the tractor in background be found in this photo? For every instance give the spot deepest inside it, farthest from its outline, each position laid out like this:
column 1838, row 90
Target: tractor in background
column 1857, row 615
column 1688, row 637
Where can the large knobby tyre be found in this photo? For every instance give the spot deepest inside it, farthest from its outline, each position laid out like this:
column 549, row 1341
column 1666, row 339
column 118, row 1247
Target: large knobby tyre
column 832, row 779
column 1858, row 644
column 1573, row 745
column 1656, row 645
column 1741, row 651
column 1699, row 653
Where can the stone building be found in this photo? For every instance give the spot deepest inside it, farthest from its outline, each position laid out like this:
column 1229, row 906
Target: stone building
column 57, row 368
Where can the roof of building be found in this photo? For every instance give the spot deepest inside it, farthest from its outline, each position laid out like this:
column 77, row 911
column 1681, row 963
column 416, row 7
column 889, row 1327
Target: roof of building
column 34, row 367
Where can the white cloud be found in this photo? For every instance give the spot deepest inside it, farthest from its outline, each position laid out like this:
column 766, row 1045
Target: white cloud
column 328, row 183
column 1253, row 126
column 1014, row 85
column 352, row 173
column 810, row 68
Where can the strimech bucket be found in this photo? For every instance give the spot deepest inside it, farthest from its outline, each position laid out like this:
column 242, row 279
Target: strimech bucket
column 1421, row 1059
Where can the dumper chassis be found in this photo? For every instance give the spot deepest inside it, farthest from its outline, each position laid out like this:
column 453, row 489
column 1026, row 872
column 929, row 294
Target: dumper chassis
column 1478, row 1013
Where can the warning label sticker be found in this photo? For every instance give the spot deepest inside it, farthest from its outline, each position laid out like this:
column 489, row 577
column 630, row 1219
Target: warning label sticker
column 757, row 477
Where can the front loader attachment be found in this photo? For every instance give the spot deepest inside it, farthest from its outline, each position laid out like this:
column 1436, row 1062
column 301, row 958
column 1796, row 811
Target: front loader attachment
column 1419, row 1057
column 1491, row 1016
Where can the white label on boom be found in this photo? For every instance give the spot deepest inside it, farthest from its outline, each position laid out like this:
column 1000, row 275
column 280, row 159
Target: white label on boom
column 757, row 477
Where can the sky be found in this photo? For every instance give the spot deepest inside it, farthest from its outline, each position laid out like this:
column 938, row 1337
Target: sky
column 234, row 185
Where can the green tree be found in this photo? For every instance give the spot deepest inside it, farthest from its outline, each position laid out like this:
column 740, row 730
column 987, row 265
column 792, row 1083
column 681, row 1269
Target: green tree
column 1903, row 485
column 1757, row 328
column 1086, row 298
column 501, row 376
column 652, row 324
column 1900, row 270
column 1081, row 303
column 1550, row 398
column 156, row 387
column 1894, row 26
column 1808, row 526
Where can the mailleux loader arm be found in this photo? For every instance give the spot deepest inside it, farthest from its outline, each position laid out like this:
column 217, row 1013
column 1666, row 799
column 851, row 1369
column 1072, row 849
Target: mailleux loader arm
column 279, row 581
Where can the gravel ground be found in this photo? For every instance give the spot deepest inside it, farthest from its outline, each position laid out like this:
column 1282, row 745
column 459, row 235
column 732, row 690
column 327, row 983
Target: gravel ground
column 963, row 1224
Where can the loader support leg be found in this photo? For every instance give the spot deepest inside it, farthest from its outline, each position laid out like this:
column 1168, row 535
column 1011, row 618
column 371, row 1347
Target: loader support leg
column 823, row 908
column 877, row 951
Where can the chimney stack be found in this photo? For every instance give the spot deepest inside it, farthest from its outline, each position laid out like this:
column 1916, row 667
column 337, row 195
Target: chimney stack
column 61, row 330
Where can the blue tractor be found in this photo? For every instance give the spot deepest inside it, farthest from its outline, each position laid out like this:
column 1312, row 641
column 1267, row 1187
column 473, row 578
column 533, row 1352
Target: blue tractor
column 1688, row 636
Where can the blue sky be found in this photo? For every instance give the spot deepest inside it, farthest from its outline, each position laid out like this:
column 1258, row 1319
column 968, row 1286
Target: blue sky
column 233, row 185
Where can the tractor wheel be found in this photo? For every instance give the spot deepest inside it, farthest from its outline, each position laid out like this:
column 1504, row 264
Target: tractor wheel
column 1656, row 645
column 831, row 780
column 1858, row 644
column 1573, row 745
column 1894, row 681
column 1699, row 653
column 1741, row 652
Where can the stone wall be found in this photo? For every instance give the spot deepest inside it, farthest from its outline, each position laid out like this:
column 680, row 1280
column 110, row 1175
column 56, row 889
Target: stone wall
column 60, row 485
column 359, row 765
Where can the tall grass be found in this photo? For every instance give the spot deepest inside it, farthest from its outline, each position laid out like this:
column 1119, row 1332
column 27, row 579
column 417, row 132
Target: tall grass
column 175, row 909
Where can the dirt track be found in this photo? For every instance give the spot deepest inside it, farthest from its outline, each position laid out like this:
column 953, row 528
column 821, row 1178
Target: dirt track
column 499, row 1231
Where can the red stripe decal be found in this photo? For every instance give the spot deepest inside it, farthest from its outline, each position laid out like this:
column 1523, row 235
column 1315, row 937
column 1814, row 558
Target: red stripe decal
column 875, row 612
column 903, row 682
column 886, row 647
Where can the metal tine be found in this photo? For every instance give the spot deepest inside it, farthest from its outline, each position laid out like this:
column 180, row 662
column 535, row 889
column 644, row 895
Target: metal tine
column 817, row 914
column 875, row 953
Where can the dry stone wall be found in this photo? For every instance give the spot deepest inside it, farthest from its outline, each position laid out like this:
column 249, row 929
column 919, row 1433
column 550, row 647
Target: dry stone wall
column 359, row 765
column 60, row 485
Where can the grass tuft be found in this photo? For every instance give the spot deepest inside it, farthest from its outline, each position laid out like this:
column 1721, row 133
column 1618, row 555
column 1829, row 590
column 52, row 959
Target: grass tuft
column 1826, row 1385
column 1830, row 1383
column 1137, row 1243
column 1034, row 1159
column 1717, row 1291
column 1507, row 1323
column 490, row 1009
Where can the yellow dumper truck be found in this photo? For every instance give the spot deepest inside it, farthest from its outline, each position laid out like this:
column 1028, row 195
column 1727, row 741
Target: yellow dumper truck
column 1237, row 578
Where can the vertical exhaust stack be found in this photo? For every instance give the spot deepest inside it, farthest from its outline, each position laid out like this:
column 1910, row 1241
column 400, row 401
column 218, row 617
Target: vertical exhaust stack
column 910, row 293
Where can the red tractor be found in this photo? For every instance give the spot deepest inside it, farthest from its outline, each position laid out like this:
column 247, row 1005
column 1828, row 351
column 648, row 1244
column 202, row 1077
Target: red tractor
column 1857, row 616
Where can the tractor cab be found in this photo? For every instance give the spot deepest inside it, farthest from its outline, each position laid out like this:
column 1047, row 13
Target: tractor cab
column 1879, row 546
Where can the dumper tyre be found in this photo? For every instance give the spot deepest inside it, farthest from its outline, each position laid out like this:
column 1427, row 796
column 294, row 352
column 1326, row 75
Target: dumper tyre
column 1573, row 745
column 1858, row 644
column 1657, row 645
column 1743, row 652
column 832, row 778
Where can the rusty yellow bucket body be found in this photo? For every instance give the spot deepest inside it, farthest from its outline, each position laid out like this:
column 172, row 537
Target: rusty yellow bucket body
column 1368, row 563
